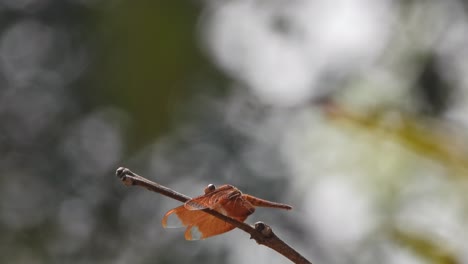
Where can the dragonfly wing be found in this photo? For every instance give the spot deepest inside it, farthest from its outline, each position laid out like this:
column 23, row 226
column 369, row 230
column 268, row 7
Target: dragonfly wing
column 206, row 226
column 177, row 217
column 200, row 225
column 199, row 203
column 181, row 216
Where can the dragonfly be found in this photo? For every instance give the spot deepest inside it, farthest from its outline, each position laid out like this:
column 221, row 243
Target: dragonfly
column 227, row 200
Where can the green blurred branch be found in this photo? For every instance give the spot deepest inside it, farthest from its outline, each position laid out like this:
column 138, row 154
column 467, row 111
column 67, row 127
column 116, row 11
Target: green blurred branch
column 428, row 138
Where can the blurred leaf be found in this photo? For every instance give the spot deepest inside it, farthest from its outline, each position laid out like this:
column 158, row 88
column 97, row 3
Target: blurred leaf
column 427, row 137
column 149, row 63
column 423, row 247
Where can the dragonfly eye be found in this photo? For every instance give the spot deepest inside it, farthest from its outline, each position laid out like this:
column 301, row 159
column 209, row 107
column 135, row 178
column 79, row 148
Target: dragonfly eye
column 210, row 188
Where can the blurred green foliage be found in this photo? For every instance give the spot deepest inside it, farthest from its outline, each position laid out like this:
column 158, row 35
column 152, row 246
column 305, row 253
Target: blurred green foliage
column 149, row 62
column 421, row 134
column 428, row 250
column 88, row 85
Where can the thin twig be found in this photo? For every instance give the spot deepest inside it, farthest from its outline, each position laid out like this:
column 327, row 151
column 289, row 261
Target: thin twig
column 262, row 233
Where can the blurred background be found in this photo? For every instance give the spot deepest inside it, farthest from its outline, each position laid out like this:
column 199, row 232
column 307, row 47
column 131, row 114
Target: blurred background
column 353, row 111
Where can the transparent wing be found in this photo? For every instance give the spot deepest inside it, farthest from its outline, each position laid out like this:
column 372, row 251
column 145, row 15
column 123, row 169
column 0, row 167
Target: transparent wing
column 177, row 217
column 206, row 226
column 198, row 203
column 200, row 225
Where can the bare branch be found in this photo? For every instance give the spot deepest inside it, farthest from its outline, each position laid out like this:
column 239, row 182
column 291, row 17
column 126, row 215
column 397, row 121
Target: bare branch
column 262, row 233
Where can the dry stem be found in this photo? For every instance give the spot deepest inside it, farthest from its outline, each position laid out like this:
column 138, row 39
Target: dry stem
column 262, row 233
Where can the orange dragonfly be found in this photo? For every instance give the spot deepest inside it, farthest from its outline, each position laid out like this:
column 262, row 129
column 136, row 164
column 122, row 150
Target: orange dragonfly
column 227, row 200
